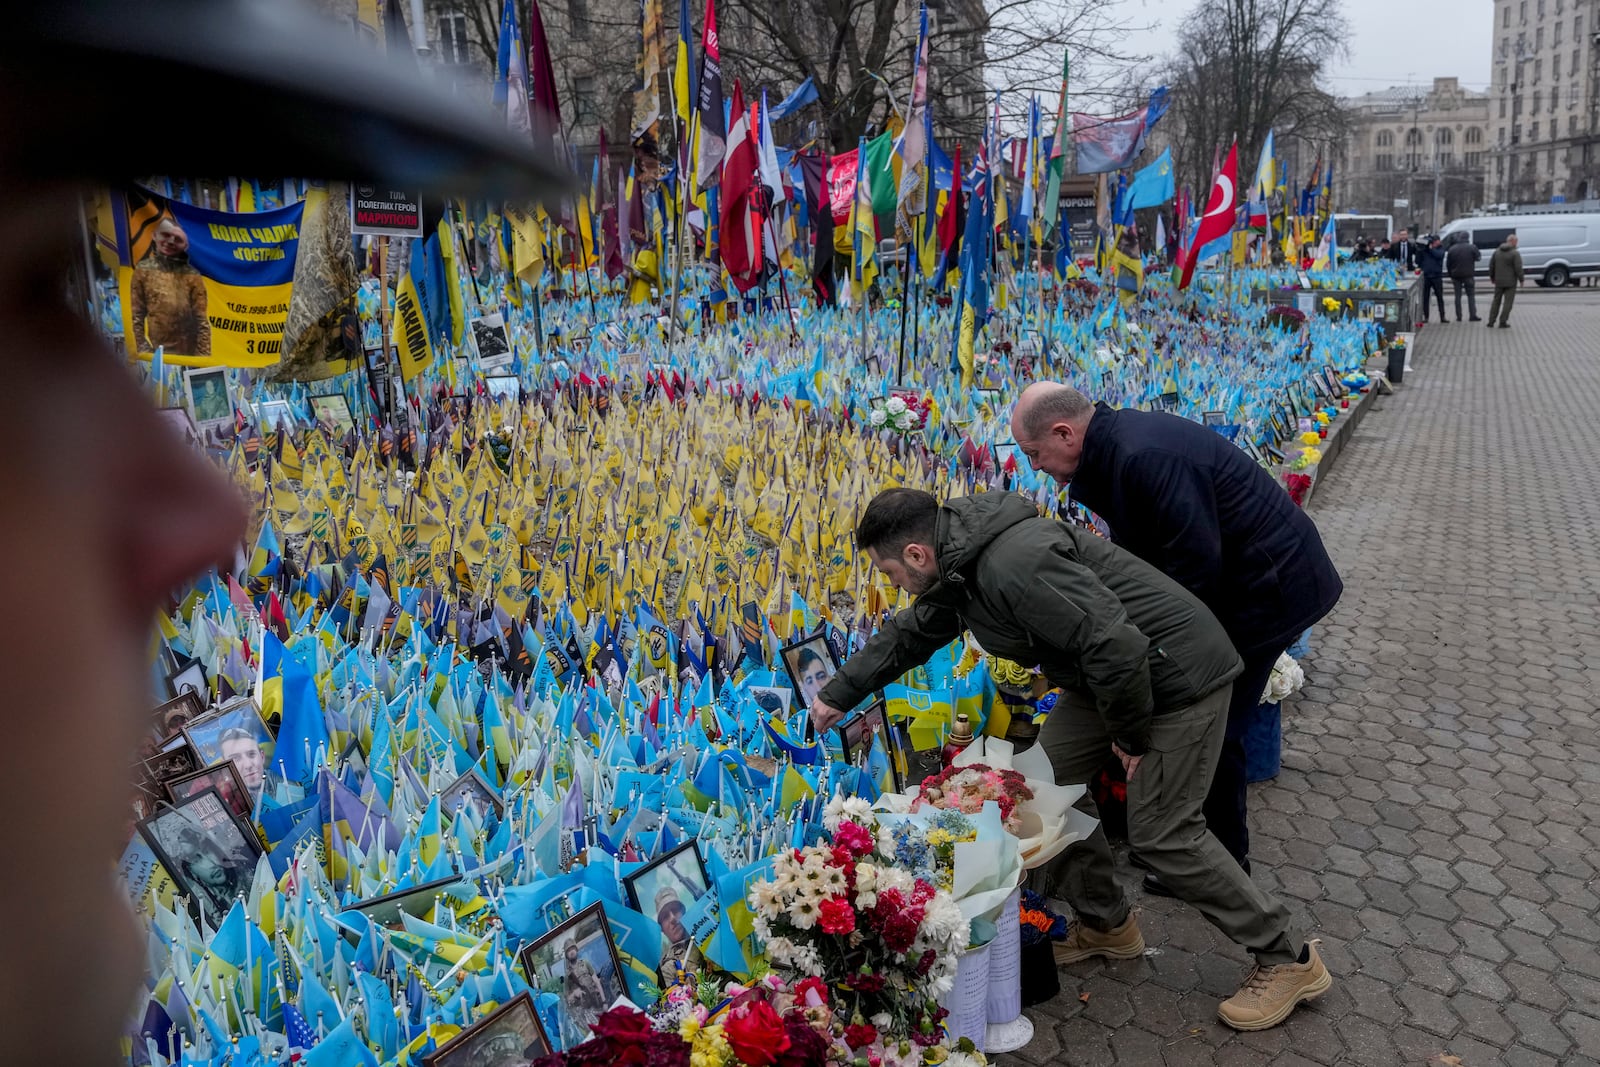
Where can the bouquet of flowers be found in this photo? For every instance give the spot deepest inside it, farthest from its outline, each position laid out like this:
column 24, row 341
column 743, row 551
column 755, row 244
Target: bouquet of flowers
column 879, row 941
column 1287, row 679
column 966, row 789
column 900, row 413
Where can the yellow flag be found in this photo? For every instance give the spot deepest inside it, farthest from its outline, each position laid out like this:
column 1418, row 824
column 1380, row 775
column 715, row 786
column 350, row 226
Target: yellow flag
column 410, row 331
column 452, row 284
column 527, row 245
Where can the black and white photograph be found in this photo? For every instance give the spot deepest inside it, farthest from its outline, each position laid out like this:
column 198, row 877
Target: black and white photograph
column 509, row 1037
column 210, row 856
column 235, row 732
column 489, row 338
column 663, row 889
column 578, row 962
column 810, row 664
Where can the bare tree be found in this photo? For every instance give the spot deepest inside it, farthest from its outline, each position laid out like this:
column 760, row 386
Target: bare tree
column 1244, row 67
column 859, row 54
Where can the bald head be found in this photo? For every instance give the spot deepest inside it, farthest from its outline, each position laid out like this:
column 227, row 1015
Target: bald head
column 1049, row 423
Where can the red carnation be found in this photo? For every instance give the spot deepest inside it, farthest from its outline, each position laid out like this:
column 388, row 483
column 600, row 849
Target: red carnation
column 836, row 916
column 810, row 985
column 860, row 1035
column 853, row 837
column 756, row 1034
column 899, row 931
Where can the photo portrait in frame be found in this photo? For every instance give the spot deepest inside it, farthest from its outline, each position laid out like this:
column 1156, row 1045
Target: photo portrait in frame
column 235, row 732
column 205, row 850
column 810, row 664
column 209, row 402
column 333, row 411
column 470, row 788
column 417, row 902
column 665, row 889
column 170, row 718
column 578, row 962
column 510, row 1036
column 866, row 742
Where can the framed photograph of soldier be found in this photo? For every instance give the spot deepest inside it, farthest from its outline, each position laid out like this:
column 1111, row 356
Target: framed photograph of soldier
column 866, row 731
column 235, row 732
column 189, row 677
column 209, row 402
column 470, row 788
column 1335, row 383
column 1214, row 418
column 810, row 664
column 510, row 1036
column 578, row 962
column 667, row 889
column 489, row 338
column 171, row 717
column 224, row 778
column 333, row 411
column 208, row 854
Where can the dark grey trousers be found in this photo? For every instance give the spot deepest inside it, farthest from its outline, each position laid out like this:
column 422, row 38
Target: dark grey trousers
column 1166, row 828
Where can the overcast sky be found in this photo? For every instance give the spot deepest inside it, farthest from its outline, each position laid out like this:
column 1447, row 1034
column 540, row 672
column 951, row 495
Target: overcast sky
column 1393, row 42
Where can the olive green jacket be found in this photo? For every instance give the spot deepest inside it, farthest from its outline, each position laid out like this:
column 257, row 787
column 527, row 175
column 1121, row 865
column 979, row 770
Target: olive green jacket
column 1098, row 621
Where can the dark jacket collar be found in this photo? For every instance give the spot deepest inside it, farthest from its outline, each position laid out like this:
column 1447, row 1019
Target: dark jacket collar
column 1094, row 463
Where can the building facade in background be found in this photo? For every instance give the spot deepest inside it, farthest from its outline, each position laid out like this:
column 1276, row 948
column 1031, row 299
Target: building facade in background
column 1545, row 101
column 1419, row 154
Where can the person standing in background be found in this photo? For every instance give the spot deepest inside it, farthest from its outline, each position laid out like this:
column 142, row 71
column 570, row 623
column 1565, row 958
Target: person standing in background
column 1430, row 261
column 1461, row 263
column 1505, row 274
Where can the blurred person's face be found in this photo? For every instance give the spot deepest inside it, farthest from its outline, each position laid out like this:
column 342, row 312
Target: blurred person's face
column 170, row 238
column 107, row 512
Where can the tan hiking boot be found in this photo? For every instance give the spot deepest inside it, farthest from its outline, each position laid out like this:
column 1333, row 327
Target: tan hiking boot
column 1084, row 942
column 1271, row 993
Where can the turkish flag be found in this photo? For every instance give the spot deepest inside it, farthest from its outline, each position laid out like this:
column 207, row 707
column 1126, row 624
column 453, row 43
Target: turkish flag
column 740, row 234
column 1220, row 211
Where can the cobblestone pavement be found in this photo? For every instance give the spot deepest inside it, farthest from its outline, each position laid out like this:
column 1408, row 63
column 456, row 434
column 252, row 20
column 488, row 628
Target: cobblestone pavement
column 1437, row 818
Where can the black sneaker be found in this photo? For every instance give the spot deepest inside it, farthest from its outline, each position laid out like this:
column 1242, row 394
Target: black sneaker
column 1505, row 326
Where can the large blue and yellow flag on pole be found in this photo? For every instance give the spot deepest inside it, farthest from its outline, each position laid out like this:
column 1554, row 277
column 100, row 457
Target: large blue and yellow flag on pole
column 208, row 288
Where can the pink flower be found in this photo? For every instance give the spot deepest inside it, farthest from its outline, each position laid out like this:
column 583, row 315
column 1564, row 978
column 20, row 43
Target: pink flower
column 836, row 916
column 854, row 838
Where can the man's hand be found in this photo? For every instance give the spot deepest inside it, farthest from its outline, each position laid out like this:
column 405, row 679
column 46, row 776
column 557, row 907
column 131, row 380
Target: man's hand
column 1130, row 764
column 824, row 716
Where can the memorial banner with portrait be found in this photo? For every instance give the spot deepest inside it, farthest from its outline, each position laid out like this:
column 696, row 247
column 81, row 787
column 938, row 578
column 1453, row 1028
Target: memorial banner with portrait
column 209, row 288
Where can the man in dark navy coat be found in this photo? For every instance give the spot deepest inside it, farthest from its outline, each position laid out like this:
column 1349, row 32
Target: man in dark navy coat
column 1186, row 500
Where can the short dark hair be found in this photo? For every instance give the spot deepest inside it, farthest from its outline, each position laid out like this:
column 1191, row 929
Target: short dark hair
column 897, row 518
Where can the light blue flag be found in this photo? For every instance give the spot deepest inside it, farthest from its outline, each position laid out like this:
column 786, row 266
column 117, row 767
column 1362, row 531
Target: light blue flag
column 341, row 1048
column 1151, row 186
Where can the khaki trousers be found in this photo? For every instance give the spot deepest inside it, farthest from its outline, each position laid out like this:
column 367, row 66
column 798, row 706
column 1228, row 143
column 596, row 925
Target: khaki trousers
column 1504, row 297
column 1166, row 828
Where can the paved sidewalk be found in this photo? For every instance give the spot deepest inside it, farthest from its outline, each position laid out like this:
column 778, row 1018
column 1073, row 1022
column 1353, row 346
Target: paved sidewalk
column 1437, row 819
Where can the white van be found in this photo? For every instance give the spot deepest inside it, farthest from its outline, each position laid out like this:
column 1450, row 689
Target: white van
column 1556, row 246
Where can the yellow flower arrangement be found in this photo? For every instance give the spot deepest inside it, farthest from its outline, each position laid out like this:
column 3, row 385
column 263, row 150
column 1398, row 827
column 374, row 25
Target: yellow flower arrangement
column 707, row 1046
column 1322, row 418
column 1310, row 437
column 1308, row 458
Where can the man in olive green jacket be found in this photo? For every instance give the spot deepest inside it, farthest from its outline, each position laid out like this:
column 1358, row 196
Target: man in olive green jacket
column 1147, row 670
column 1505, row 274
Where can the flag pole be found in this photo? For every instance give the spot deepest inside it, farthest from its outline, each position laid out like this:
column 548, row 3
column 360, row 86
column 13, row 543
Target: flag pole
column 905, row 298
